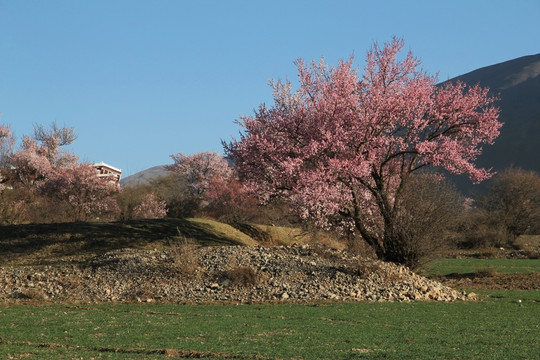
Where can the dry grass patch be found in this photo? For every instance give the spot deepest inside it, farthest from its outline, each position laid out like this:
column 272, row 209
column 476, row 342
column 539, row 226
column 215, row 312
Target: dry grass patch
column 220, row 232
column 185, row 256
column 242, row 276
column 486, row 271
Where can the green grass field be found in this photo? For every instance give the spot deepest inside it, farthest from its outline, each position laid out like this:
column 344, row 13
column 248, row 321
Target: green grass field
column 470, row 265
column 498, row 327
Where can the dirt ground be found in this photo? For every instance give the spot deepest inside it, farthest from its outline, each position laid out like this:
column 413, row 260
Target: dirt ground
column 528, row 248
column 489, row 281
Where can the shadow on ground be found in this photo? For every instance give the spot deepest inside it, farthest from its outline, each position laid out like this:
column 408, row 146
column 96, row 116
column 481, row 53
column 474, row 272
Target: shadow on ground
column 44, row 244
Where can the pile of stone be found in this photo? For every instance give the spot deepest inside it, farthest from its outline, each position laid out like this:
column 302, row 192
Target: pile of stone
column 231, row 274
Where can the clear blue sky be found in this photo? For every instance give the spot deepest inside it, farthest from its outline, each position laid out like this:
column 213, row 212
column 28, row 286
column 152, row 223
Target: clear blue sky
column 140, row 80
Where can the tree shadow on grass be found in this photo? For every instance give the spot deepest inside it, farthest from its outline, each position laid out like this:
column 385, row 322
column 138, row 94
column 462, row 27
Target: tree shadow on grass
column 43, row 244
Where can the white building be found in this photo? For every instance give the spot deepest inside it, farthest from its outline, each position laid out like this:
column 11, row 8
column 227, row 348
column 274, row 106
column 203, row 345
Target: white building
column 108, row 171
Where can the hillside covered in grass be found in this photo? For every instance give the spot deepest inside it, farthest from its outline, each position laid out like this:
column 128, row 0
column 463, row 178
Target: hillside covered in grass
column 41, row 244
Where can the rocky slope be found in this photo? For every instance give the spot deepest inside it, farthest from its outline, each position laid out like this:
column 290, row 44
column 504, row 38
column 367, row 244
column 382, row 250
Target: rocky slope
column 230, row 274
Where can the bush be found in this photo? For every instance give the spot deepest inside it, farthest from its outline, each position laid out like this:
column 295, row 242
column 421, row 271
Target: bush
column 13, row 207
column 140, row 202
column 185, row 256
column 510, row 208
column 513, row 200
column 243, row 276
column 150, row 208
column 175, row 191
column 428, row 214
column 225, row 200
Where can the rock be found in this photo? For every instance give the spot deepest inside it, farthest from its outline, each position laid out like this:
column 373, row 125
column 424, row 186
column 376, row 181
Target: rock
column 287, row 273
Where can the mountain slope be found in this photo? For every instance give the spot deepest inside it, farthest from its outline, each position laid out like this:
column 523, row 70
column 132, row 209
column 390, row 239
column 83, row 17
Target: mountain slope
column 517, row 82
column 145, row 177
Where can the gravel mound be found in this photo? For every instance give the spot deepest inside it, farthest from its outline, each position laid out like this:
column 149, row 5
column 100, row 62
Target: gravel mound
column 230, row 274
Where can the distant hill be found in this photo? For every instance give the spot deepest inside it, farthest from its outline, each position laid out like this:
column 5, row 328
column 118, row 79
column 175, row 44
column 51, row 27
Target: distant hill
column 518, row 84
column 144, row 177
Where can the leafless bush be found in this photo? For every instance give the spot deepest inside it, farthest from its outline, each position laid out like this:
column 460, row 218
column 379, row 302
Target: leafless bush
column 481, row 231
column 428, row 211
column 13, row 207
column 360, row 248
column 174, row 189
column 243, row 276
column 510, row 208
column 486, row 271
column 185, row 256
column 143, row 293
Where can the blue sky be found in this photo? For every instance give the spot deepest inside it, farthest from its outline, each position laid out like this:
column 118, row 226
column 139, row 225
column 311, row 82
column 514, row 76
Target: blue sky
column 140, row 80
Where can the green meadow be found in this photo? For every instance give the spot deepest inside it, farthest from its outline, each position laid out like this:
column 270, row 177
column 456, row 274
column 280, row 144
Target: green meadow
column 470, row 265
column 496, row 327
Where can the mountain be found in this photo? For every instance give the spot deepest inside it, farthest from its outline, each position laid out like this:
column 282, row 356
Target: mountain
column 145, row 177
column 517, row 82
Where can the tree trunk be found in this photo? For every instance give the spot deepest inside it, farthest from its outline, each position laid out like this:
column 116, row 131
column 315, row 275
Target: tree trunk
column 398, row 247
column 394, row 246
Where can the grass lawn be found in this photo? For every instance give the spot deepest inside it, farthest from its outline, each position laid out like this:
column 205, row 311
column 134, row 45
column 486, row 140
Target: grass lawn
column 497, row 327
column 470, row 265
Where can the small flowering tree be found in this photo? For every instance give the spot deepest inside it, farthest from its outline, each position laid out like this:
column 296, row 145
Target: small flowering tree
column 227, row 200
column 48, row 182
column 200, row 170
column 12, row 208
column 343, row 146
column 30, row 164
column 52, row 140
column 150, row 208
column 85, row 195
column 12, row 204
column 41, row 154
column 7, row 143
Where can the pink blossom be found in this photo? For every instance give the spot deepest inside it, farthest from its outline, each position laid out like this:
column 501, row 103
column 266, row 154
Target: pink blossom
column 200, row 169
column 341, row 147
column 150, row 208
column 88, row 195
column 7, row 142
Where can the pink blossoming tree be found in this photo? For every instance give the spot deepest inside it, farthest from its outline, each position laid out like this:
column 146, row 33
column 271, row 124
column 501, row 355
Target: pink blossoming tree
column 40, row 154
column 54, row 182
column 150, row 208
column 11, row 208
column 343, row 146
column 200, row 170
column 84, row 195
column 227, row 200
column 52, row 141
column 7, row 142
